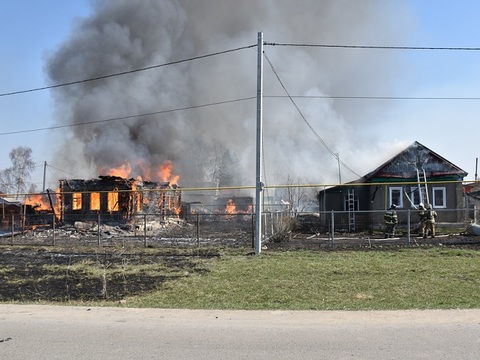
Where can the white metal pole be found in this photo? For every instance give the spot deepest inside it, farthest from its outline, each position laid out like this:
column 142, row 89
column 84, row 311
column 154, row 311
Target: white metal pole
column 259, row 184
column 44, row 174
column 339, row 169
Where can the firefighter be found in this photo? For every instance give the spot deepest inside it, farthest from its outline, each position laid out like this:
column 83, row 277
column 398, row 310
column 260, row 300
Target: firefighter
column 430, row 216
column 423, row 220
column 391, row 221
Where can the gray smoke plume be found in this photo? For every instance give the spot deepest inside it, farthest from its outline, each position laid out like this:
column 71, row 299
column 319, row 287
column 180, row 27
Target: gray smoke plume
column 218, row 142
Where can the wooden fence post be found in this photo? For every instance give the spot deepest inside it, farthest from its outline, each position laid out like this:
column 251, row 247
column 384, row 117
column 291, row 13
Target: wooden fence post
column 54, row 240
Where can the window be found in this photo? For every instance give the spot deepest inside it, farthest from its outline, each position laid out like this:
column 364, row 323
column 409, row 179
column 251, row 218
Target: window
column 76, row 201
column 395, row 196
column 439, row 197
column 95, row 201
column 113, row 201
column 415, row 195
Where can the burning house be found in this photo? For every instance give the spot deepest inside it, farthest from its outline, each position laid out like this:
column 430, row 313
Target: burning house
column 116, row 199
column 228, row 207
column 234, row 204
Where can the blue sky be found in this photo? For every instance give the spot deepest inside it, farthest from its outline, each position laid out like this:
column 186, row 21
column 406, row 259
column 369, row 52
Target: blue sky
column 31, row 29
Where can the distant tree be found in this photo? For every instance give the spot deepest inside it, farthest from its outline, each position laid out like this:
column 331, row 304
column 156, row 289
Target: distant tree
column 297, row 197
column 215, row 163
column 14, row 180
column 5, row 182
column 229, row 170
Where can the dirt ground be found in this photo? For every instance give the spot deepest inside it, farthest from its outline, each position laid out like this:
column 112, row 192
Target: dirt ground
column 366, row 242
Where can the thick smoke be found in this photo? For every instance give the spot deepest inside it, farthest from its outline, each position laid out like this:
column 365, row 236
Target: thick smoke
column 218, row 142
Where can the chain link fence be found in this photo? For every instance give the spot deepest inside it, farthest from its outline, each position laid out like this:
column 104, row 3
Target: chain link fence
column 163, row 216
column 225, row 229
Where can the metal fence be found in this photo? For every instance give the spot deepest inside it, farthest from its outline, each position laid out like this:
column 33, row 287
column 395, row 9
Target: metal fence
column 225, row 229
column 148, row 230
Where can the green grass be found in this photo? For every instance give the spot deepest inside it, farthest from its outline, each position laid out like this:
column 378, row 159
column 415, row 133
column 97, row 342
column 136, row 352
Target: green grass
column 346, row 280
column 405, row 278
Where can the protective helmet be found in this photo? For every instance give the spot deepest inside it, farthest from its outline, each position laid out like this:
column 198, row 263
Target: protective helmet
column 421, row 206
column 429, row 206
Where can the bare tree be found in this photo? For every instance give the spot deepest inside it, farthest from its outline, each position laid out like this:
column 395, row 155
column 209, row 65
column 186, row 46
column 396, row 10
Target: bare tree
column 214, row 162
column 14, row 180
column 5, row 181
column 298, row 197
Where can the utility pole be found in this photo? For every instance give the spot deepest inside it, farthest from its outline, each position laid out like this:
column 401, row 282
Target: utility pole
column 476, row 169
column 44, row 174
column 259, row 184
column 339, row 168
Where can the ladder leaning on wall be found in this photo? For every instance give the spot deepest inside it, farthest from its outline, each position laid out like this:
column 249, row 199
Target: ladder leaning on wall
column 422, row 187
column 351, row 209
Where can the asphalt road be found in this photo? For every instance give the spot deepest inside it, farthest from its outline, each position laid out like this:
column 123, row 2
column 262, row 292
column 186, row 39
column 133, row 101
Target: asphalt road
column 55, row 332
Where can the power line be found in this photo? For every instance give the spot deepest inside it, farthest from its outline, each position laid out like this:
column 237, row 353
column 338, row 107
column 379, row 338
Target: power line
column 59, row 170
column 271, row 44
column 333, row 46
column 323, row 142
column 234, row 50
column 127, row 72
column 371, row 97
column 238, row 100
column 128, row 116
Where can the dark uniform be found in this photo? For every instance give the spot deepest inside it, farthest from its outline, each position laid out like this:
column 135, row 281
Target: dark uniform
column 391, row 221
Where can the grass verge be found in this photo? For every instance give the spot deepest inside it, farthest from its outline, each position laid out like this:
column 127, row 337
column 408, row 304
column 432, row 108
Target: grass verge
column 432, row 278
column 405, row 278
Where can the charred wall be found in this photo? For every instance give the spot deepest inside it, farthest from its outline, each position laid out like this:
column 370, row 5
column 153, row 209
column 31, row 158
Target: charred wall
column 115, row 198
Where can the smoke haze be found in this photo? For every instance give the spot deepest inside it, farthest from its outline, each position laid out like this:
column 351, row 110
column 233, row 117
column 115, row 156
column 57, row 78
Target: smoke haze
column 122, row 35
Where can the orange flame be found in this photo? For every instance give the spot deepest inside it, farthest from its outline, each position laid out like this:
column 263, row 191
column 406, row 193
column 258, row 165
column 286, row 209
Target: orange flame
column 40, row 202
column 162, row 173
column 231, row 208
column 122, row 171
column 94, row 201
column 112, row 199
column 37, row 202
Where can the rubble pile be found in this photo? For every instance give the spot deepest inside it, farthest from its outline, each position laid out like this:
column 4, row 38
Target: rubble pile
column 153, row 233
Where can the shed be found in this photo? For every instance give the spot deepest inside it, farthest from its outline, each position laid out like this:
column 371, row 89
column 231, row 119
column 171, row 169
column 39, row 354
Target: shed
column 9, row 207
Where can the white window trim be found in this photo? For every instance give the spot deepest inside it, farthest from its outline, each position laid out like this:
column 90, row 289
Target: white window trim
column 415, row 195
column 444, row 197
column 395, row 188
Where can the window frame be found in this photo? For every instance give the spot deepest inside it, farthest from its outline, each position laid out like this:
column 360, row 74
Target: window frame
column 77, row 201
column 391, row 189
column 443, row 191
column 95, row 198
column 415, row 195
column 113, row 199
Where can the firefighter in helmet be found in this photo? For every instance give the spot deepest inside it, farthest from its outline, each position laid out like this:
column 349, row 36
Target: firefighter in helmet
column 422, row 214
column 391, row 220
column 430, row 216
